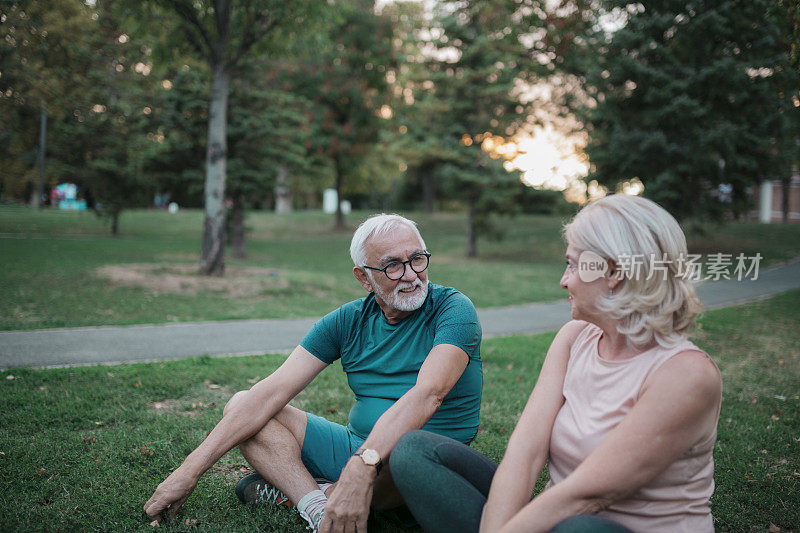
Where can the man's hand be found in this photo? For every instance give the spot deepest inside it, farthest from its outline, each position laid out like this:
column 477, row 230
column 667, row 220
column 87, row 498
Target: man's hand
column 170, row 495
column 348, row 507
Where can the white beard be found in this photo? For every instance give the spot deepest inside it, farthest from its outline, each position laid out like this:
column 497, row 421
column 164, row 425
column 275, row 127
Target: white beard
column 399, row 300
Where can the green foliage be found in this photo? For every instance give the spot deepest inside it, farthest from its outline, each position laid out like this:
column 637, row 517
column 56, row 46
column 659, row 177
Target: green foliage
column 269, row 128
column 344, row 75
column 113, row 134
column 174, row 156
column 687, row 97
column 43, row 66
column 468, row 93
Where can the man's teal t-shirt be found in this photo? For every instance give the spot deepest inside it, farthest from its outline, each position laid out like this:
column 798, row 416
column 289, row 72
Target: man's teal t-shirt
column 382, row 360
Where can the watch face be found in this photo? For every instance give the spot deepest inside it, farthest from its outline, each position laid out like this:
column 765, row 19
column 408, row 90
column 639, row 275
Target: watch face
column 370, row 457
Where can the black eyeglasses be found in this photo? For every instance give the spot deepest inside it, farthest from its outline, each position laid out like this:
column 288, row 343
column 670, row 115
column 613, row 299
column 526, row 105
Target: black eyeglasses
column 397, row 269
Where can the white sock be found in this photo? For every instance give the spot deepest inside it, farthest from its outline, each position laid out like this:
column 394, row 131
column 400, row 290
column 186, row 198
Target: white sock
column 323, row 485
column 312, row 506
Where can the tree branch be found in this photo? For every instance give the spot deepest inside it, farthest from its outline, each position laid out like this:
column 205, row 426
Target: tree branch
column 222, row 15
column 196, row 32
column 263, row 23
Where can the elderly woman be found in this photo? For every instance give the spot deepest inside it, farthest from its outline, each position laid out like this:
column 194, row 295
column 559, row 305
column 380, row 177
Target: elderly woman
column 625, row 407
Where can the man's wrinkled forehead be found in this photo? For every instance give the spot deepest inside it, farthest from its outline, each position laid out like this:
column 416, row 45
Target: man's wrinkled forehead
column 396, row 244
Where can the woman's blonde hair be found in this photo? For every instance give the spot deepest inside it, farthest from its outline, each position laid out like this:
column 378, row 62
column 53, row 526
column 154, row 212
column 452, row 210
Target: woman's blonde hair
column 655, row 299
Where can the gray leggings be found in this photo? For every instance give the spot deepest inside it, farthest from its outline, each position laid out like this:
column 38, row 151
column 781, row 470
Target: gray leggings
column 445, row 485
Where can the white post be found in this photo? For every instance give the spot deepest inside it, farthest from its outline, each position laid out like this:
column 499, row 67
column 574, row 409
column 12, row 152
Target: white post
column 765, row 207
column 329, row 201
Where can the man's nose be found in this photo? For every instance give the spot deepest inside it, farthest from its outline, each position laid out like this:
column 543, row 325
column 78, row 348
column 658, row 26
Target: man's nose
column 409, row 274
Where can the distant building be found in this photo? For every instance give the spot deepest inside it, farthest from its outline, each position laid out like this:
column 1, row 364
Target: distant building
column 769, row 199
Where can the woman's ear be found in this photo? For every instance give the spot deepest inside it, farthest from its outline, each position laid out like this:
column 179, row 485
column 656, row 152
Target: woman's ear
column 614, row 276
column 362, row 278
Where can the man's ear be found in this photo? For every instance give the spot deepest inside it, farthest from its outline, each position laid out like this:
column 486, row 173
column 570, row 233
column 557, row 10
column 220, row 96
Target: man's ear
column 362, row 278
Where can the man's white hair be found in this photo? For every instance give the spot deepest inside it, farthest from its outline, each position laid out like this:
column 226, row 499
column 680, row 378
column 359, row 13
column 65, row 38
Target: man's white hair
column 375, row 226
column 649, row 306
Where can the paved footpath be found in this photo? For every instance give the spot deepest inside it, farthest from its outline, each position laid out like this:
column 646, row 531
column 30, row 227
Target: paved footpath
column 114, row 344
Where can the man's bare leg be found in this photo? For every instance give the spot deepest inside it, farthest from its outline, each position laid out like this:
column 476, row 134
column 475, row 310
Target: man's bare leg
column 275, row 452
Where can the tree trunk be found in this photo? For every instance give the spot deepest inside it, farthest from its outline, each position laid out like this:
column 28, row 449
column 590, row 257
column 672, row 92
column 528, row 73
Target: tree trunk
column 283, row 193
column 212, row 260
column 237, row 227
column 428, row 193
column 115, row 221
column 340, row 225
column 42, row 150
column 472, row 245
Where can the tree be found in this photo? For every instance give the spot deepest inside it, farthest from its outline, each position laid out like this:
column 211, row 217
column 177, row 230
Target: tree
column 115, row 113
column 345, row 77
column 268, row 136
column 43, row 65
column 474, row 83
column 683, row 97
column 75, row 60
column 178, row 129
column 223, row 34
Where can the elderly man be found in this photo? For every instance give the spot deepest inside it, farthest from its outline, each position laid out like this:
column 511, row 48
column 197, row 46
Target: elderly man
column 411, row 352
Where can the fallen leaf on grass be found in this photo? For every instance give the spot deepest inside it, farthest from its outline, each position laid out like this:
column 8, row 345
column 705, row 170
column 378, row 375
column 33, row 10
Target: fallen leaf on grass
column 213, row 386
column 510, row 366
column 98, row 423
column 137, row 384
column 519, row 378
column 776, row 417
column 9, row 376
column 773, row 528
column 42, row 471
column 89, row 440
column 330, row 410
column 155, row 523
column 146, row 451
column 190, row 522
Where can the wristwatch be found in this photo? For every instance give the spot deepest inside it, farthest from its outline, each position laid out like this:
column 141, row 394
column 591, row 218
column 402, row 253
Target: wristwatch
column 370, row 457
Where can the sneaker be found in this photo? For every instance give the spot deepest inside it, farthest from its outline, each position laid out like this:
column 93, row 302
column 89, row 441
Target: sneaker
column 255, row 489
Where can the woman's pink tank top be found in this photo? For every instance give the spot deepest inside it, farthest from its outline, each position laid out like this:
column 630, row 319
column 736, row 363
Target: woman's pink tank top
column 598, row 394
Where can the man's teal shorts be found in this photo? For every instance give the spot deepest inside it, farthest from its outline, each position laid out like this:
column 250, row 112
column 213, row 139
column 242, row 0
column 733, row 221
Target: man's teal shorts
column 327, row 447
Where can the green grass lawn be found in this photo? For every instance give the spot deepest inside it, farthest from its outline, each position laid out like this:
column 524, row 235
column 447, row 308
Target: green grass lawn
column 297, row 266
column 83, row 448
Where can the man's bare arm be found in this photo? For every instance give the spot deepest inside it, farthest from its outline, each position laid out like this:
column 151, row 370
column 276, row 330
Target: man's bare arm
column 350, row 500
column 244, row 420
